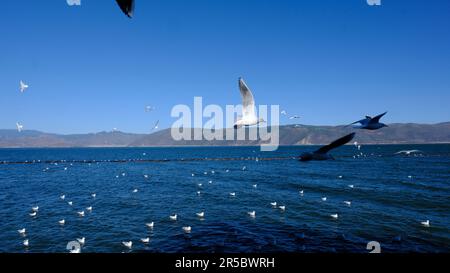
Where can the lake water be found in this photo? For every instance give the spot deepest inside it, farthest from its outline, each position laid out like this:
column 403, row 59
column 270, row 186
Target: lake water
column 391, row 196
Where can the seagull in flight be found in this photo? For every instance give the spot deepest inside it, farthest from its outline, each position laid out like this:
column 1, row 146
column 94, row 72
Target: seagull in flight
column 23, row 86
column 149, row 108
column 294, row 117
column 19, row 127
column 127, row 7
column 322, row 153
column 249, row 117
column 156, row 125
column 370, row 123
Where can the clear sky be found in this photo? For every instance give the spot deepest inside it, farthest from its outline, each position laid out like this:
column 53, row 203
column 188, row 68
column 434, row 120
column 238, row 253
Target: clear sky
column 90, row 68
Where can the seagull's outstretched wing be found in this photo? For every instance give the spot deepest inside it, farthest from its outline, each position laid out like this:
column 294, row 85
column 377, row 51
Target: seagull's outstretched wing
column 248, row 102
column 377, row 118
column 127, row 6
column 362, row 122
column 337, row 143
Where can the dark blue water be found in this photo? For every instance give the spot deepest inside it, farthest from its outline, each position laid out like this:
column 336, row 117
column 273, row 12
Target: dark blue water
column 391, row 196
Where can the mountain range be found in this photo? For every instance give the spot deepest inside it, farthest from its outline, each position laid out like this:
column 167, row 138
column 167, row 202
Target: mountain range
column 398, row 133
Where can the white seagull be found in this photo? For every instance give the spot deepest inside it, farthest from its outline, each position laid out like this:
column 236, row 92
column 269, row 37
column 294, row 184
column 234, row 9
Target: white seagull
column 274, row 204
column 408, row 152
column 26, row 242
column 70, row 203
column 33, row 214
column 283, row 208
column 89, row 209
column 81, row 213
column 187, row 229
column 23, row 86
column 201, row 214
column 425, row 223
column 93, row 195
column 21, row 231
column 62, row 222
column 19, row 127
column 35, row 209
column 145, row 240
column 150, row 225
column 81, row 240
column 232, row 194
column 252, row 214
column 334, row 216
column 348, row 203
column 249, row 117
column 128, row 244
column 173, row 217
column 324, row 199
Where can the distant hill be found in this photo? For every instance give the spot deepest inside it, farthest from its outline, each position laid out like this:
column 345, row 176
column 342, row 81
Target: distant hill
column 401, row 133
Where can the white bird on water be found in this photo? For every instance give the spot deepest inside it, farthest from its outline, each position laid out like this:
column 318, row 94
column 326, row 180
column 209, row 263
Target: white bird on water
column 150, row 225
column 232, row 194
column 135, row 190
column 26, row 242
column 348, row 203
column 324, row 199
column 187, row 229
column 301, row 192
column 351, row 186
column 408, row 152
column 33, row 214
column 282, row 208
column 70, row 203
column 255, row 186
column 334, row 216
column 19, row 127
column 145, row 240
column 274, row 204
column 89, row 209
column 93, row 195
column 35, row 209
column 128, row 244
column 81, row 213
column 22, row 231
column 23, row 86
column 201, row 214
column 249, row 117
column 252, row 214
column 425, row 223
column 82, row 240
column 63, row 197
column 62, row 222
column 173, row 217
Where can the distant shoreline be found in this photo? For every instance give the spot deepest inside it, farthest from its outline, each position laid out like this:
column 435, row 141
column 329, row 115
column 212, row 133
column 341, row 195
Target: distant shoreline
column 215, row 146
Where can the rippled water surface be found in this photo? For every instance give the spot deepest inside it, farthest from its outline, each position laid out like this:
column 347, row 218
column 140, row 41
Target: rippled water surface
column 391, row 196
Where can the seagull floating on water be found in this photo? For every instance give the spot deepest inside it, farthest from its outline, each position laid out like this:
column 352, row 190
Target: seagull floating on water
column 128, row 244
column 351, row 186
column 81, row 213
column 274, row 204
column 255, row 186
column 283, row 208
column 252, row 214
column 187, row 229
column 425, row 223
column 62, row 222
column 35, row 209
column 62, row 197
column 26, row 242
column 294, row 117
column 322, row 153
column 334, row 216
column 22, row 231
column 33, row 214
column 81, row 240
column 370, row 123
column 348, row 203
column 145, row 240
column 301, row 192
column 70, row 203
column 93, row 195
column 89, row 209
column 232, row 194
column 173, row 217
column 324, row 199
column 135, row 190
column 201, row 214
column 249, row 117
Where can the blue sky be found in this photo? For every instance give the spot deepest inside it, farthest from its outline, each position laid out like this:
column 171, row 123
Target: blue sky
column 90, row 68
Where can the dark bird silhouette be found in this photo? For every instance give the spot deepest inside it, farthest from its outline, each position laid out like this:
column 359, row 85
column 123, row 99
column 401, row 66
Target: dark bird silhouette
column 370, row 123
column 127, row 6
column 322, row 153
